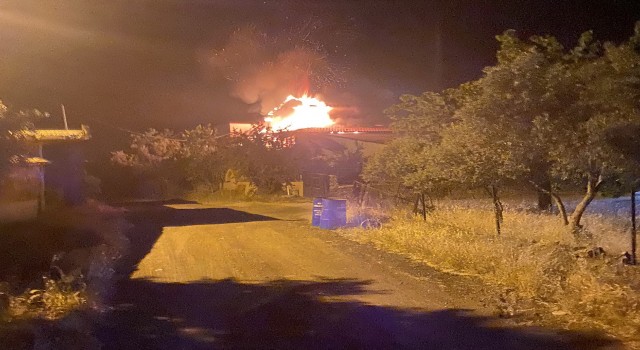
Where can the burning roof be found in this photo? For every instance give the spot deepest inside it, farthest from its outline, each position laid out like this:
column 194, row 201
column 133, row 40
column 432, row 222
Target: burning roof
column 307, row 115
column 299, row 113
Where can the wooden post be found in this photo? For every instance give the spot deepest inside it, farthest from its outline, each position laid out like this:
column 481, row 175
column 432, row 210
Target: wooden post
column 633, row 228
column 424, row 207
column 497, row 207
column 41, row 201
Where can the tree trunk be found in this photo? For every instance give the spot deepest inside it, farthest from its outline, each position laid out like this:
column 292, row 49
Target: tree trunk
column 561, row 207
column 556, row 198
column 593, row 185
column 544, row 196
column 540, row 178
column 497, row 206
column 633, row 228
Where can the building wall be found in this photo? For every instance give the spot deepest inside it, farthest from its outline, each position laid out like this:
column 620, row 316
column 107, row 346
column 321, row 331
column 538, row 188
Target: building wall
column 65, row 177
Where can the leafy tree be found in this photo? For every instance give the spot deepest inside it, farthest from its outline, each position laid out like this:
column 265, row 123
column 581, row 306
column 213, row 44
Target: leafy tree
column 515, row 93
column 417, row 122
column 392, row 166
column 479, row 155
column 207, row 156
column 605, row 83
column 202, row 157
column 154, row 156
column 441, row 145
column 265, row 158
column 540, row 115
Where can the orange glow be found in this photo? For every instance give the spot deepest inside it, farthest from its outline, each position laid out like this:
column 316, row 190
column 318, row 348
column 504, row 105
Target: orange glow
column 299, row 113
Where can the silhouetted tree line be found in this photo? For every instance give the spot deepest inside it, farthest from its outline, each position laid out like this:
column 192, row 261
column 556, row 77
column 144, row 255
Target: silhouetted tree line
column 546, row 117
column 201, row 157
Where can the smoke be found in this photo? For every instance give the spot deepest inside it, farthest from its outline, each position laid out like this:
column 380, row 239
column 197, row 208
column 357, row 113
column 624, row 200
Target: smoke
column 264, row 69
column 361, row 102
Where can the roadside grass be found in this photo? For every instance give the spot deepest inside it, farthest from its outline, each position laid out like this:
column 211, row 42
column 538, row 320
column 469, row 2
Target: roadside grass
column 534, row 267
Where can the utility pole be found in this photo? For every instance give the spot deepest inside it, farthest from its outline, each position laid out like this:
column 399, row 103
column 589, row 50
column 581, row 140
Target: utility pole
column 64, row 117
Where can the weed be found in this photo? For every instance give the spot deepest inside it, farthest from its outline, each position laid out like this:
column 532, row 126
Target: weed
column 53, row 301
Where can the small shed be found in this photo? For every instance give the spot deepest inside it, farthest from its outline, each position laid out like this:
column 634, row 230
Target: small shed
column 22, row 190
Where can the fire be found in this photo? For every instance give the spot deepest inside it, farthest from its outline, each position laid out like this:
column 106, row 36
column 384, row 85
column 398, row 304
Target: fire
column 300, row 113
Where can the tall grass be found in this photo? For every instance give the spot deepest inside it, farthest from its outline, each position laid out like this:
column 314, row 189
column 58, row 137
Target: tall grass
column 535, row 259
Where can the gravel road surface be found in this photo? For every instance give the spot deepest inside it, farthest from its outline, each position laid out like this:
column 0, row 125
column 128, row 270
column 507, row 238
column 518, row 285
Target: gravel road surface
column 257, row 276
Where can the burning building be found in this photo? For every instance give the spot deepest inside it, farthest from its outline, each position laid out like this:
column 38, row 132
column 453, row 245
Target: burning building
column 331, row 151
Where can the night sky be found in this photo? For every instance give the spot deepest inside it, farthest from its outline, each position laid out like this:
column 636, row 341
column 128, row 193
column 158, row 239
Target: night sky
column 138, row 64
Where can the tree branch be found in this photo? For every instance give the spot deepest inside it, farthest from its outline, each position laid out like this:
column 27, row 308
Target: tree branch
column 598, row 184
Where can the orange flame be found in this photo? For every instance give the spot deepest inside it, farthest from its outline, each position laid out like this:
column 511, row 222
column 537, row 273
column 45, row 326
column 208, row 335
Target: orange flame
column 299, row 113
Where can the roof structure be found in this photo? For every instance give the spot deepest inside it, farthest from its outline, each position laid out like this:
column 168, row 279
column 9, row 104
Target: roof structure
column 36, row 161
column 54, row 135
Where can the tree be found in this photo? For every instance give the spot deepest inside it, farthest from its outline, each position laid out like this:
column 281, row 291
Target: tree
column 200, row 156
column 517, row 91
column 474, row 154
column 207, row 157
column 540, row 115
column 264, row 157
column 606, row 84
column 417, row 122
column 443, row 145
column 156, row 157
column 553, row 109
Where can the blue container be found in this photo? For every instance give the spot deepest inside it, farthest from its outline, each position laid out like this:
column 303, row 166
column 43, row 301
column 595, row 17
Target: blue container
column 316, row 212
column 334, row 213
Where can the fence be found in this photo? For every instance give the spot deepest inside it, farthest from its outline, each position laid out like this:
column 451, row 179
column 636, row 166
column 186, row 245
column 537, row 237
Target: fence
column 372, row 198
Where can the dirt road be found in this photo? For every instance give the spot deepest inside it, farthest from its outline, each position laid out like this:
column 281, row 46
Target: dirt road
column 257, row 276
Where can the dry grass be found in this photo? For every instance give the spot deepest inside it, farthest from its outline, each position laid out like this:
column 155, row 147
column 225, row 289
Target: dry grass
column 55, row 300
column 536, row 261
